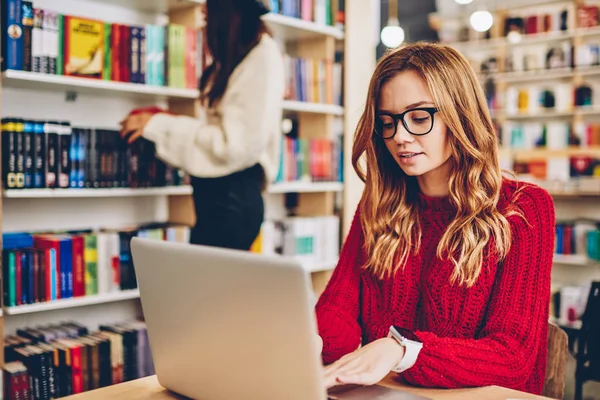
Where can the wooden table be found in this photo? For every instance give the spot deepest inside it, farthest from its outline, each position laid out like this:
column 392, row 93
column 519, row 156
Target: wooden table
column 149, row 389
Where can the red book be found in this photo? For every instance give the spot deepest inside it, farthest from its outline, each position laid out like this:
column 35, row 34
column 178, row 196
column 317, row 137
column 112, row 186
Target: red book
column 36, row 275
column 191, row 55
column 125, row 50
column 115, row 74
column 19, row 278
column 78, row 266
column 567, row 239
column 52, row 246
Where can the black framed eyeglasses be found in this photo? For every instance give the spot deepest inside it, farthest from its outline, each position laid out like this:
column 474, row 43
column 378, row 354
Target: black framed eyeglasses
column 417, row 121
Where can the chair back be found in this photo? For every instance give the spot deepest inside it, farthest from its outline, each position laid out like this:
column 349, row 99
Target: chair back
column 589, row 335
column 556, row 363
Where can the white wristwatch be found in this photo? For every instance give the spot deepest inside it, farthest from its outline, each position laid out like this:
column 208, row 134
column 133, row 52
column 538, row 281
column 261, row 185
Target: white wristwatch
column 412, row 347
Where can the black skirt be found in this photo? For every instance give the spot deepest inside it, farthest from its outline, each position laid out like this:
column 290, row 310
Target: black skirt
column 229, row 209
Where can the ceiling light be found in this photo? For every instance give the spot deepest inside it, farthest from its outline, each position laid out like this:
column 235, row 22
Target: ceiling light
column 481, row 21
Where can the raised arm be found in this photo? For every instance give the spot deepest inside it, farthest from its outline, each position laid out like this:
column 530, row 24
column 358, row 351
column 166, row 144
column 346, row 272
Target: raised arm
column 513, row 338
column 250, row 110
column 338, row 307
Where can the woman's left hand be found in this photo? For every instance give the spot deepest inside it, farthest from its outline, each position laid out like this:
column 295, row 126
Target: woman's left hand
column 367, row 365
column 133, row 126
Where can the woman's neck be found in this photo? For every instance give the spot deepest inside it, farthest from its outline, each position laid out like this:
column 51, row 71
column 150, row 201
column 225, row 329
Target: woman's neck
column 435, row 182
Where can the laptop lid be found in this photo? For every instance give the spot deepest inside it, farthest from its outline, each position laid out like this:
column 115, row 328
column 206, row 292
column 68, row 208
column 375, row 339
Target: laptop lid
column 227, row 324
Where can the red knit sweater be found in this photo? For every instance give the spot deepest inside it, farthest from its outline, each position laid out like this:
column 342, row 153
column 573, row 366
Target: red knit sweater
column 493, row 333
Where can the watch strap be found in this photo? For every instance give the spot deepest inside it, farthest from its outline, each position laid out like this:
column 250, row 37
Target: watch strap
column 412, row 349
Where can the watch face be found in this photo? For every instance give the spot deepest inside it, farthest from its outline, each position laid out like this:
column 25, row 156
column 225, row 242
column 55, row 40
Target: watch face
column 407, row 334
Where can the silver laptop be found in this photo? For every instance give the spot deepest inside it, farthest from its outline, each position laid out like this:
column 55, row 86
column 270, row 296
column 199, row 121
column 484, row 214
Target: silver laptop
column 226, row 324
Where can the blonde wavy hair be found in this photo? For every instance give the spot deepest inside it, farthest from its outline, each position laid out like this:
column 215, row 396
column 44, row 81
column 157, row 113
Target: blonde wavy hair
column 389, row 205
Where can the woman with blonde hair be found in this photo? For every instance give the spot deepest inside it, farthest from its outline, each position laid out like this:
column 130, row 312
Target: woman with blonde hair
column 444, row 277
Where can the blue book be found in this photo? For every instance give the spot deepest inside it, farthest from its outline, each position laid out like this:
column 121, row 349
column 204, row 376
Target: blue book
column 12, row 37
column 66, row 267
column 39, row 158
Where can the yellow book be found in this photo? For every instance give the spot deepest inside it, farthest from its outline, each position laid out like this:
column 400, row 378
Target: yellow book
column 84, row 47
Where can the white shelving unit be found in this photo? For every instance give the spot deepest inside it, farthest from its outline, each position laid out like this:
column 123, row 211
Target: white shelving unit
column 86, row 193
column 288, row 28
column 63, row 304
column 38, row 81
column 313, row 108
column 104, row 103
column 305, row 187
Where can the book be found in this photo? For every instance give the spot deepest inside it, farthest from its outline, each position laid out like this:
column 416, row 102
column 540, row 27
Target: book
column 83, row 47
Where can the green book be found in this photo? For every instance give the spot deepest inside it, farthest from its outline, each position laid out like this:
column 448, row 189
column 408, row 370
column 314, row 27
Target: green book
column 12, row 280
column 91, row 264
column 107, row 70
column 60, row 59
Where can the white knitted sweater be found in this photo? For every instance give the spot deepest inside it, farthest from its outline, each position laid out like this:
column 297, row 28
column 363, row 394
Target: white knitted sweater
column 244, row 129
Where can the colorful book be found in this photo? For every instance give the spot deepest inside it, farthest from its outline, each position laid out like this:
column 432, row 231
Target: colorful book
column 83, row 47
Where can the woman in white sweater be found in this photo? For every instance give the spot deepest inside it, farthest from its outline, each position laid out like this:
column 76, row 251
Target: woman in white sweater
column 232, row 150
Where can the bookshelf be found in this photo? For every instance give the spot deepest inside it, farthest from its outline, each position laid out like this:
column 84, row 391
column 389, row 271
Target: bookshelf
column 100, row 193
column 542, row 88
column 63, row 304
column 102, row 104
column 38, row 81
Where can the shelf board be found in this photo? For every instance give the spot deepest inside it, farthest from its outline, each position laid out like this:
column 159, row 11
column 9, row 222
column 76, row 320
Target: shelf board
column 37, row 81
column 321, row 267
column 151, row 6
column 73, row 302
column 538, row 115
column 305, row 187
column 312, row 108
column 541, row 153
column 291, row 29
column 574, row 259
column 109, row 192
column 533, row 76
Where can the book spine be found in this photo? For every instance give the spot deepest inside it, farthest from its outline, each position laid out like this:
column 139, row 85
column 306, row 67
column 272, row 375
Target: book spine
column 81, row 151
column 115, row 56
column 64, row 146
column 37, row 39
column 74, row 157
column 18, row 278
column 29, row 153
column 150, row 57
column 142, row 55
column 125, row 50
column 12, row 38
column 134, row 55
column 91, row 264
column 27, row 22
column 9, row 153
column 12, row 279
column 36, row 275
column 168, row 41
column 20, row 154
column 52, row 160
column 78, row 266
column 191, row 57
column 159, row 55
column 108, row 54
column 40, row 170
column 51, row 42
column 60, row 44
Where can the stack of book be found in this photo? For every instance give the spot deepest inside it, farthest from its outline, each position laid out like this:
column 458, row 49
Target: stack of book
column 55, row 361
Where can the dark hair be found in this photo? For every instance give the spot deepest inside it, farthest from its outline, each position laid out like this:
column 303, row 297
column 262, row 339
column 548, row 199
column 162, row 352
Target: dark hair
column 233, row 28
